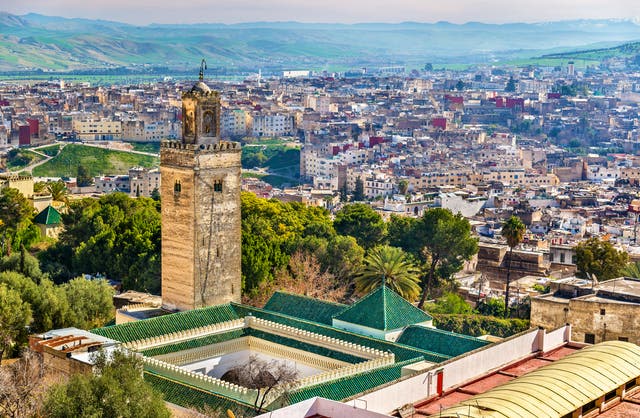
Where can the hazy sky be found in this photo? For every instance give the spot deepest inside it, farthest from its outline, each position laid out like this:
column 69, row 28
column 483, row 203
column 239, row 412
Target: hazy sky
column 346, row 11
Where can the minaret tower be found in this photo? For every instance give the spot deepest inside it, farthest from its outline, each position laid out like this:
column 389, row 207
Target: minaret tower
column 200, row 197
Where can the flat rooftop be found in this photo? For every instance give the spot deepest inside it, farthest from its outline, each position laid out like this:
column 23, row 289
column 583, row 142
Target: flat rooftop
column 434, row 405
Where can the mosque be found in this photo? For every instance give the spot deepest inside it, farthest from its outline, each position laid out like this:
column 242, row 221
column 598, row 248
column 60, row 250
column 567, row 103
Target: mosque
column 381, row 351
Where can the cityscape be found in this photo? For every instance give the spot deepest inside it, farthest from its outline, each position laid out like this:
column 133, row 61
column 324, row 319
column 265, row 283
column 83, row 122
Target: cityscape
column 373, row 225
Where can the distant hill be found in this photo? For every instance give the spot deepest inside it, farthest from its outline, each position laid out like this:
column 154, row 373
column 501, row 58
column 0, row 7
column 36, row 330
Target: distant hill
column 627, row 50
column 35, row 41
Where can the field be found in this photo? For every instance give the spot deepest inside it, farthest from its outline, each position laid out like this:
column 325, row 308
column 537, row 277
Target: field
column 99, row 161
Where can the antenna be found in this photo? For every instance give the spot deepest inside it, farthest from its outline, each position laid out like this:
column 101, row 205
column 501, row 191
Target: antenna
column 203, row 66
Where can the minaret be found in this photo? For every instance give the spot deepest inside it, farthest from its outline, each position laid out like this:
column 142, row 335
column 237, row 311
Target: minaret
column 200, row 197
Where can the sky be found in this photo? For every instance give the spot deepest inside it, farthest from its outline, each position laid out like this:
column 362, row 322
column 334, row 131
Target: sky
column 142, row 12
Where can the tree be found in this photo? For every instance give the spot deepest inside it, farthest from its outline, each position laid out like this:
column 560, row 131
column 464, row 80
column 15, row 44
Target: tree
column 22, row 386
column 83, row 177
column 595, row 257
column 513, row 231
column 511, row 85
column 15, row 215
column 446, row 244
column 492, row 307
column 631, row 270
column 358, row 191
column 91, row 302
column 115, row 390
column 450, row 303
column 343, row 258
column 389, row 266
column 58, row 191
column 361, row 222
column 403, row 186
column 15, row 315
column 265, row 376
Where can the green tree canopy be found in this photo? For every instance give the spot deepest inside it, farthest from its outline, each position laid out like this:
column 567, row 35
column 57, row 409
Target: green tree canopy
column 389, row 265
column 361, row 222
column 91, row 302
column 446, row 243
column 600, row 258
column 115, row 390
column 16, row 214
column 83, row 177
column 115, row 235
column 15, row 315
column 450, row 303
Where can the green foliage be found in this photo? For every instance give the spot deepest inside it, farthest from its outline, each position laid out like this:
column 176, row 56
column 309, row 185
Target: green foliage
column 391, row 266
column 83, row 178
column 361, row 222
column 631, row 270
column 91, row 302
column 16, row 215
column 343, row 257
column 272, row 231
column 492, row 307
column 403, row 186
column 599, row 258
column 450, row 303
column 447, row 243
column 58, row 190
column 513, row 231
column 115, row 390
column 358, row 191
column 96, row 160
column 17, row 159
column 478, row 325
column 115, row 235
column 15, row 315
column 511, row 85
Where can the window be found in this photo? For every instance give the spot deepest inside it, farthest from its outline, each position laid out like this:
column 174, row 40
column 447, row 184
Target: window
column 603, row 311
column 217, row 185
column 625, row 339
column 177, row 187
column 590, row 338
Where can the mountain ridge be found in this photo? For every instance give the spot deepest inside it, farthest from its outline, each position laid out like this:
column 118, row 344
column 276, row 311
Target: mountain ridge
column 34, row 41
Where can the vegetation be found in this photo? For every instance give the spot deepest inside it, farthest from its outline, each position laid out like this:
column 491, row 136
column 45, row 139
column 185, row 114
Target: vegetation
column 513, row 231
column 116, row 389
column 15, row 315
column 115, row 235
column 389, row 266
column 16, row 216
column 595, row 257
column 96, row 160
column 450, row 303
column 631, row 270
column 22, row 385
column 478, row 325
column 18, row 159
column 361, row 222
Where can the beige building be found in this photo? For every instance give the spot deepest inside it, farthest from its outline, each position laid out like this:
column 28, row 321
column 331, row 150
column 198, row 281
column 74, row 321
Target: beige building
column 606, row 311
column 143, row 181
column 103, row 129
column 23, row 183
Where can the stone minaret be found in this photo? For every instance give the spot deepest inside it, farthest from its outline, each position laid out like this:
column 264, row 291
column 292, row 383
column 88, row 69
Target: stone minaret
column 200, row 194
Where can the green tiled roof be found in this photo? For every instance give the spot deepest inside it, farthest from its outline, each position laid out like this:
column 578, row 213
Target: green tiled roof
column 383, row 309
column 401, row 352
column 439, row 341
column 345, row 387
column 191, row 397
column 194, row 343
column 48, row 216
column 310, row 348
column 180, row 321
column 304, row 307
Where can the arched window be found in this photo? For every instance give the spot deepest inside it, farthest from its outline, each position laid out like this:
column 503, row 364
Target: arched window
column 177, row 187
column 217, row 185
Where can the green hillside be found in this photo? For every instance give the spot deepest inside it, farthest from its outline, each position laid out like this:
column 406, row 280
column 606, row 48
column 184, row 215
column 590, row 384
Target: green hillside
column 99, row 161
column 628, row 50
column 36, row 42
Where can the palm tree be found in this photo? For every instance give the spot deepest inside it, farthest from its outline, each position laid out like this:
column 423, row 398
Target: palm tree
column 58, row 191
column 390, row 266
column 631, row 270
column 513, row 231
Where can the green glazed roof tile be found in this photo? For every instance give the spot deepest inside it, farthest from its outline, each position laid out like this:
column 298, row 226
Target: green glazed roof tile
column 439, row 341
column 48, row 216
column 304, row 307
column 383, row 309
column 180, row 321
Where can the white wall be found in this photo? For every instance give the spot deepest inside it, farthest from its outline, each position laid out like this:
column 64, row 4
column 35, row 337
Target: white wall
column 463, row 368
column 218, row 366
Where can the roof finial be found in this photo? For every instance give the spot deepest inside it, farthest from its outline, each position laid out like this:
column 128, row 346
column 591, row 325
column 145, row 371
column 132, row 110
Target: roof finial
column 203, row 66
